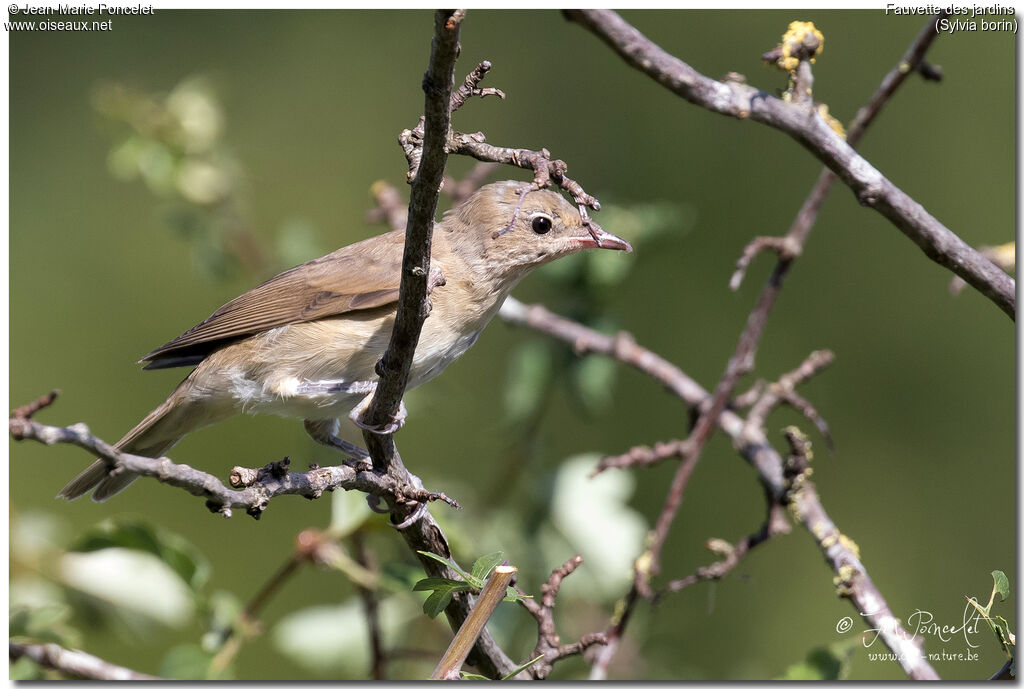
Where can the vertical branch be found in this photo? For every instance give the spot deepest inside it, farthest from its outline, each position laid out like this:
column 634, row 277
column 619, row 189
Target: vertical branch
column 371, row 607
column 393, row 368
column 492, row 594
column 420, row 531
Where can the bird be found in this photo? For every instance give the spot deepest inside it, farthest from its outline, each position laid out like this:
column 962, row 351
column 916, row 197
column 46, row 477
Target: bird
column 305, row 343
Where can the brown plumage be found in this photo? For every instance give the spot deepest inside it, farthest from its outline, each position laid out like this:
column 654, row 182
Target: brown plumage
column 305, row 343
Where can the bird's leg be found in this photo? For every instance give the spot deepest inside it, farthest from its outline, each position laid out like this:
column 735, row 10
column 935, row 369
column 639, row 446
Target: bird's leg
column 358, row 387
column 356, row 416
column 325, row 432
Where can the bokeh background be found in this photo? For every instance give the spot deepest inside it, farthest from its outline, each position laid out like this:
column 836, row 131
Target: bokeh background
column 115, row 250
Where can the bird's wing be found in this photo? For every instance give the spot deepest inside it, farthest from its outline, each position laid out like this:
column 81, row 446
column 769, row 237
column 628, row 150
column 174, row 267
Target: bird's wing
column 360, row 276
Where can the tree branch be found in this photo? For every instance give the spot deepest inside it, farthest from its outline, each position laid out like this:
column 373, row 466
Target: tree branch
column 77, row 664
column 549, row 644
column 466, row 635
column 775, row 524
column 420, row 531
column 268, row 482
column 791, row 245
column 393, row 368
column 802, row 123
column 843, row 556
column 749, row 440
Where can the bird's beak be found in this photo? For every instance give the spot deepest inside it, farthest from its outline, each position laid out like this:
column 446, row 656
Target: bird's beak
column 599, row 239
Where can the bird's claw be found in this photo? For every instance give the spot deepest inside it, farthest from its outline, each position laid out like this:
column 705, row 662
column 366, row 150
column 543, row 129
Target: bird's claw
column 392, row 426
column 417, row 514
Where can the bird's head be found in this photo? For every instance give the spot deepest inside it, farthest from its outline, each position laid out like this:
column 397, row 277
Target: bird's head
column 506, row 229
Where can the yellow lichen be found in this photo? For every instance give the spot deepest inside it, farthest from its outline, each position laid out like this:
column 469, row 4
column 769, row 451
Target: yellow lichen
column 643, row 563
column 796, row 35
column 1004, row 255
column 844, row 581
column 719, row 546
column 850, row 545
column 832, row 122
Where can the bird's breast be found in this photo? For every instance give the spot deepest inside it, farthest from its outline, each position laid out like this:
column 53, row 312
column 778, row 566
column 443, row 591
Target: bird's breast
column 434, row 355
column 321, row 369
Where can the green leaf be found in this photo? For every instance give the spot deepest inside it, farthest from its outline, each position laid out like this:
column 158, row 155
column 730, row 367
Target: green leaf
column 594, row 516
column 511, row 596
column 446, row 561
column 24, row 670
column 187, row 561
column 124, row 581
column 1000, row 627
column 44, row 624
column 522, row 667
column 1000, row 584
column 223, row 614
column 822, row 663
column 443, row 590
column 436, row 602
column 431, row 583
column 470, row 675
column 483, row 566
column 1003, row 633
column 332, row 639
column 186, row 662
column 348, row 509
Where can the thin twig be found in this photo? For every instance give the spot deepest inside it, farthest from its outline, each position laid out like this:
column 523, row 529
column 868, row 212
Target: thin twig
column 1005, row 672
column 461, row 190
column 549, row 645
column 27, row 411
column 311, row 546
column 221, row 499
column 801, row 122
column 390, row 208
column 784, row 392
column 371, row 607
column 791, row 245
column 751, row 442
column 613, row 637
column 471, row 87
column 775, row 524
column 76, row 664
column 641, row 455
column 748, row 440
column 248, row 618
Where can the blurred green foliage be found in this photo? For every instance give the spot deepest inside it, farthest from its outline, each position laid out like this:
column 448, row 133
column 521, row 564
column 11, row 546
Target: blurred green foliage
column 267, row 159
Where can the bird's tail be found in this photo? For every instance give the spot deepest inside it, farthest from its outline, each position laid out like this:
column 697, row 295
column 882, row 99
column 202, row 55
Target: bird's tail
column 152, row 437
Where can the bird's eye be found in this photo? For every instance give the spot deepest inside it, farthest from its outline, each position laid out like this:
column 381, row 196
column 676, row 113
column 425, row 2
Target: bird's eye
column 541, row 224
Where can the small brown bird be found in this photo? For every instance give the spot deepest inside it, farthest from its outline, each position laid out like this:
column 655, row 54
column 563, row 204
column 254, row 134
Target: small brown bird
column 304, row 344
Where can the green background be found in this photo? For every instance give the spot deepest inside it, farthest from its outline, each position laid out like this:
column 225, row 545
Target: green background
column 920, row 399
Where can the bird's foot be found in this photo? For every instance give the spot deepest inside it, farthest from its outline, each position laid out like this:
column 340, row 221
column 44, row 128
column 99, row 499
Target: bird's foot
column 324, row 432
column 387, row 428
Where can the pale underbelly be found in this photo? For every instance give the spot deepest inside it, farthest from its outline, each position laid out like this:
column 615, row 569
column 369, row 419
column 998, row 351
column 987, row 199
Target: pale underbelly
column 323, row 389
